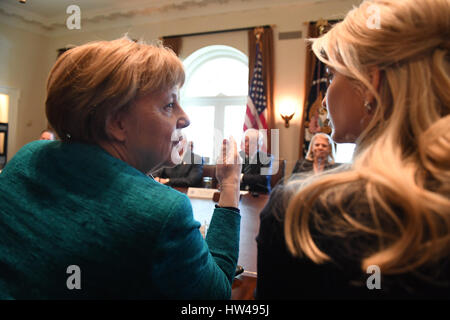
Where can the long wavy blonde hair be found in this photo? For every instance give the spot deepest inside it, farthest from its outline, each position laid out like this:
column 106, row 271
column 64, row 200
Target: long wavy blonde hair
column 402, row 161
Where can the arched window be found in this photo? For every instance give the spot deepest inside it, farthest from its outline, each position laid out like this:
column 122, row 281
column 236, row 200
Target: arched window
column 214, row 97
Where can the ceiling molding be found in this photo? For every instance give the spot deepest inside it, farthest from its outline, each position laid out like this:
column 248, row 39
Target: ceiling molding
column 139, row 12
column 19, row 22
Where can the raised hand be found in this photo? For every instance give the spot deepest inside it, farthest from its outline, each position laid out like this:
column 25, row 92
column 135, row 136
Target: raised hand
column 228, row 171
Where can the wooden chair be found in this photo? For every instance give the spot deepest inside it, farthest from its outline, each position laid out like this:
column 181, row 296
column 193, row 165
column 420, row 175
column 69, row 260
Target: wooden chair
column 280, row 173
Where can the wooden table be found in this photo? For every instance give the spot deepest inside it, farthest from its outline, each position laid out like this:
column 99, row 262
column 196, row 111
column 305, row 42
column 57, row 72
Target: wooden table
column 251, row 207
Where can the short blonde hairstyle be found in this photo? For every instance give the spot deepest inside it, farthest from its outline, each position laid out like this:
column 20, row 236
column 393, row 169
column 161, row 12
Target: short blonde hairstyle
column 100, row 79
column 401, row 175
column 331, row 148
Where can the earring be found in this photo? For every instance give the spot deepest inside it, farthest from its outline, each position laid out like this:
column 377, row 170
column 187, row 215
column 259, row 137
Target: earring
column 368, row 106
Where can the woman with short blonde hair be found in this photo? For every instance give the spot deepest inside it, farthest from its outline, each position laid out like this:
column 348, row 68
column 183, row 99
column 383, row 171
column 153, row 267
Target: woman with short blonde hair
column 390, row 211
column 320, row 155
column 331, row 150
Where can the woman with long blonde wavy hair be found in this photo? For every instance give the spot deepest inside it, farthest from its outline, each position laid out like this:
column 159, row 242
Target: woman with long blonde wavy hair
column 379, row 228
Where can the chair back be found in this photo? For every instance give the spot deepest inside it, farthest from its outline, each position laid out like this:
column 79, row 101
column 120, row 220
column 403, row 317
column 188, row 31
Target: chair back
column 274, row 179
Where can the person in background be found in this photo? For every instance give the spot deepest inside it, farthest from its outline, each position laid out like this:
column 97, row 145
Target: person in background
column 320, row 155
column 379, row 228
column 186, row 174
column 256, row 165
column 47, row 134
column 80, row 218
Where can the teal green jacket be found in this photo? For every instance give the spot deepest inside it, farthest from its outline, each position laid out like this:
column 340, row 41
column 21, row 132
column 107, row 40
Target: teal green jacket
column 65, row 204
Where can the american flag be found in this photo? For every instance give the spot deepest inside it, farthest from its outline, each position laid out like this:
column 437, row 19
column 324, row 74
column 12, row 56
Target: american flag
column 256, row 114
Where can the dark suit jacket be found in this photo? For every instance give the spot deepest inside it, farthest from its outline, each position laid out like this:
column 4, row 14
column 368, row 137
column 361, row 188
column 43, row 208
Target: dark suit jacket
column 253, row 169
column 187, row 174
column 308, row 165
column 283, row 276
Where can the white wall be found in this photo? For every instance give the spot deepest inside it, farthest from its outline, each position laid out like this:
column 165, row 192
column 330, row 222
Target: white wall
column 23, row 62
column 289, row 56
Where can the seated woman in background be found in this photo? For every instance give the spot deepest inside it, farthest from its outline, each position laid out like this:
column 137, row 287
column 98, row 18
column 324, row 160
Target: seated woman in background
column 86, row 202
column 186, row 174
column 381, row 228
column 320, row 155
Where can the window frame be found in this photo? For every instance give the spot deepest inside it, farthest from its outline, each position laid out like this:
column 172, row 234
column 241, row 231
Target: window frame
column 192, row 63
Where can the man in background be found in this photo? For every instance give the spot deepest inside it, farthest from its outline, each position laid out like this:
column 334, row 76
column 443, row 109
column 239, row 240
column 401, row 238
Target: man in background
column 47, row 134
column 186, row 174
column 256, row 165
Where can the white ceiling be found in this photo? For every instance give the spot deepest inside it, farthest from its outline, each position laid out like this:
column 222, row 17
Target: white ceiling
column 49, row 16
column 52, row 8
